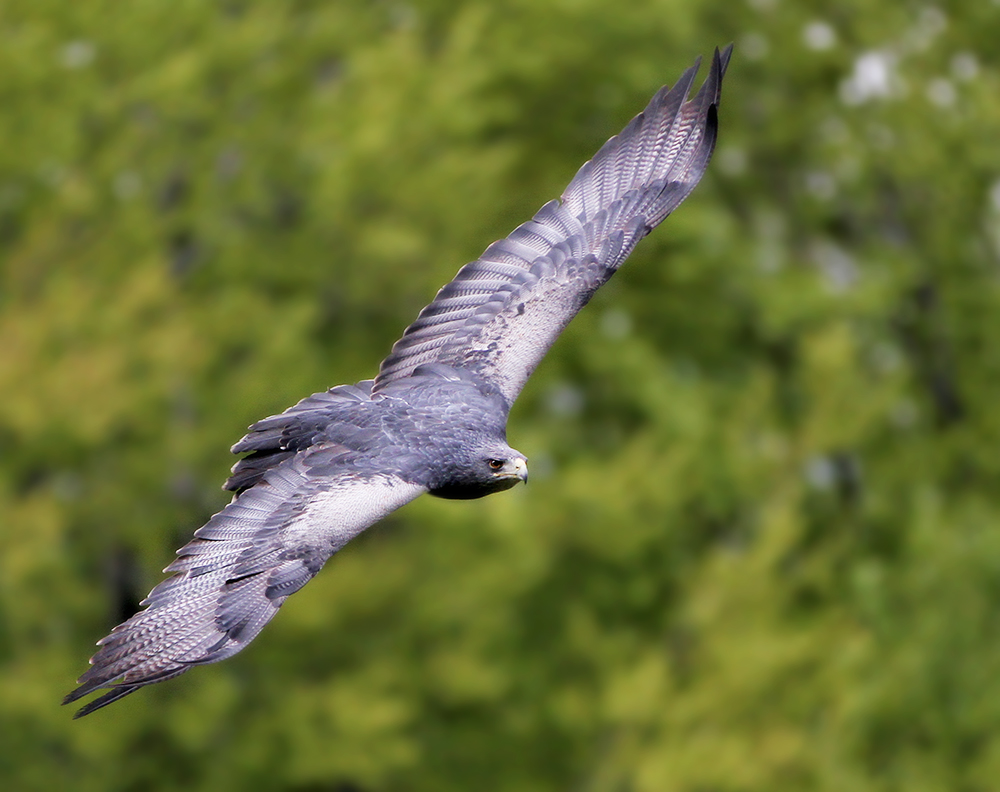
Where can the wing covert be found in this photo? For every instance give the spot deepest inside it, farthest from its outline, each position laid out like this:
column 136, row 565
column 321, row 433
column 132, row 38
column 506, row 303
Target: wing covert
column 242, row 565
column 500, row 314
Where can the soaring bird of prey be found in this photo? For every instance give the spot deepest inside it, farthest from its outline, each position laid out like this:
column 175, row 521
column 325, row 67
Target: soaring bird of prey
column 432, row 421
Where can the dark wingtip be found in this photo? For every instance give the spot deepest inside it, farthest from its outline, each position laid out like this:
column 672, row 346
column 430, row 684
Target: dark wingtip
column 85, row 686
column 722, row 58
column 710, row 93
column 115, row 693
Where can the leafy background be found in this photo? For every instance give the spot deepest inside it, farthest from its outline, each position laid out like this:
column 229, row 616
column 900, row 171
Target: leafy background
column 760, row 549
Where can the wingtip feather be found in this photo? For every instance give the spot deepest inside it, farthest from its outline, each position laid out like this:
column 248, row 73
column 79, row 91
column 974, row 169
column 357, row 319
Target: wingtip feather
column 109, row 697
column 723, row 58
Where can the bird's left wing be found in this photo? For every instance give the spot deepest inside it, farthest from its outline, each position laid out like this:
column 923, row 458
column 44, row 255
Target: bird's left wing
column 501, row 313
column 241, row 566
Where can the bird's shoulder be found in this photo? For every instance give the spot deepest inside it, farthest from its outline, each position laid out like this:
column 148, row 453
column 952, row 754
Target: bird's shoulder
column 430, row 411
column 343, row 416
column 440, row 398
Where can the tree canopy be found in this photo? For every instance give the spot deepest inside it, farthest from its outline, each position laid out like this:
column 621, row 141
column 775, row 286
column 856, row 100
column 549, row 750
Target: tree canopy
column 761, row 546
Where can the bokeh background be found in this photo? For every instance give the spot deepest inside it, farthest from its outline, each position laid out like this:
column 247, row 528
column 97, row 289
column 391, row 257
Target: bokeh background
column 761, row 545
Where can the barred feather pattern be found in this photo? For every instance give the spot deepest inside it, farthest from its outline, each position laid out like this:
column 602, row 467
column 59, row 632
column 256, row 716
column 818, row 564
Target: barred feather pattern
column 232, row 578
column 501, row 313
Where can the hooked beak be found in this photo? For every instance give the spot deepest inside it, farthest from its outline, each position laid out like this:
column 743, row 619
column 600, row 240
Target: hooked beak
column 521, row 469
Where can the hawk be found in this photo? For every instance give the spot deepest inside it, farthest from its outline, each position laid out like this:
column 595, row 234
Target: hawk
column 432, row 421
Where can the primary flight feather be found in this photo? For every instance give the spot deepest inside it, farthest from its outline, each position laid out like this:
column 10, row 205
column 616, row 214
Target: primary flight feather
column 432, row 421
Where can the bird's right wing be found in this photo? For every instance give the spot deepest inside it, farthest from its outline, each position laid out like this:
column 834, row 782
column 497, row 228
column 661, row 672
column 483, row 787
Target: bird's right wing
column 241, row 566
column 500, row 314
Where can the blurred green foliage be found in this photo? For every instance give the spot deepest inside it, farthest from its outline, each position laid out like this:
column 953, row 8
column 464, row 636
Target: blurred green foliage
column 761, row 547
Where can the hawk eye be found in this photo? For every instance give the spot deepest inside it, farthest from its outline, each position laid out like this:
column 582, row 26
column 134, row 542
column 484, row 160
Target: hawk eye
column 495, row 464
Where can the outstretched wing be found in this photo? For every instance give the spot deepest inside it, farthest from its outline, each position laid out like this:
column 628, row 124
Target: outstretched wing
column 231, row 579
column 500, row 314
